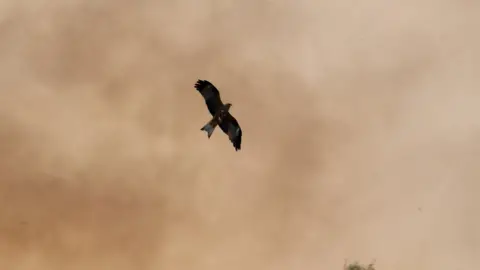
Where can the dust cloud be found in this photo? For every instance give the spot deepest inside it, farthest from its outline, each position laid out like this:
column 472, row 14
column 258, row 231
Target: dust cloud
column 361, row 134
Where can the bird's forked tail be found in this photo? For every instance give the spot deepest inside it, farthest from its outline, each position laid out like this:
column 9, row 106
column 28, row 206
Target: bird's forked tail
column 209, row 128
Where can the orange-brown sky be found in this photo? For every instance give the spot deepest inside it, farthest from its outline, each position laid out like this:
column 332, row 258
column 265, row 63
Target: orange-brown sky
column 361, row 135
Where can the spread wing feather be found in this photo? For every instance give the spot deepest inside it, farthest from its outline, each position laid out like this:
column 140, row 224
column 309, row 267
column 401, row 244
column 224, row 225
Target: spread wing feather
column 231, row 127
column 210, row 94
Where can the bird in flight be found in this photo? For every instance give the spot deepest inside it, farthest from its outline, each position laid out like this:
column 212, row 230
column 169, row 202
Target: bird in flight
column 220, row 114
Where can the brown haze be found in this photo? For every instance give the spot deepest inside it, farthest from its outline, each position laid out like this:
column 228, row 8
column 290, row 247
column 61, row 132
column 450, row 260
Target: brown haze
column 361, row 134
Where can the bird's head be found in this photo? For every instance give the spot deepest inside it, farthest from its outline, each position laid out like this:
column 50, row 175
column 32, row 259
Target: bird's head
column 227, row 106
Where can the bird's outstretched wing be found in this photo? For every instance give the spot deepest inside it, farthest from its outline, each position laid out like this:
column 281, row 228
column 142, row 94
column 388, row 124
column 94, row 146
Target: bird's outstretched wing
column 210, row 94
column 230, row 126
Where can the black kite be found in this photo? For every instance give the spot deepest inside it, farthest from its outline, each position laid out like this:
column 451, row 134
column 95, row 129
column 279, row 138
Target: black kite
column 220, row 114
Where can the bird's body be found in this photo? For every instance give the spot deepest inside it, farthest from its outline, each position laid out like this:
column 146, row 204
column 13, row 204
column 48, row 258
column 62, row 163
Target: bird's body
column 220, row 114
column 216, row 120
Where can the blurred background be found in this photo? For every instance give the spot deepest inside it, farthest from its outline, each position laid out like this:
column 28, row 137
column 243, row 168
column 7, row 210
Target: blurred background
column 361, row 134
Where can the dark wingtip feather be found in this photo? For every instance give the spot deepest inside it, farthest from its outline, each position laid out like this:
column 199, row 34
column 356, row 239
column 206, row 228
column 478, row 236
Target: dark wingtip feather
column 237, row 143
column 200, row 84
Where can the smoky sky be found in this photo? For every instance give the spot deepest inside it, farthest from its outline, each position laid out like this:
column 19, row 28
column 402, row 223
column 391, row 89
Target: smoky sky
column 360, row 134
